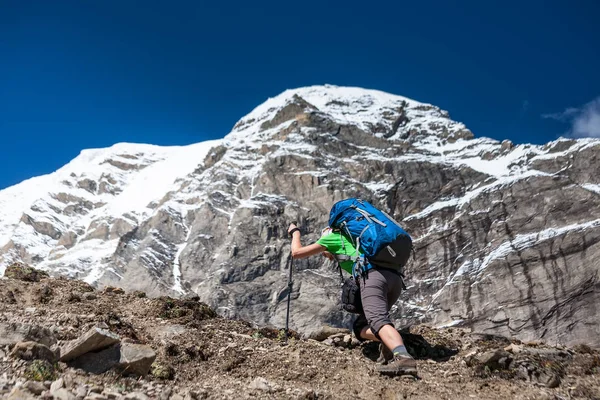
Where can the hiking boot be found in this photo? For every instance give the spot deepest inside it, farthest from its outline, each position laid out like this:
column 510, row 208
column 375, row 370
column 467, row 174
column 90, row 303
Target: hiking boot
column 400, row 365
column 385, row 354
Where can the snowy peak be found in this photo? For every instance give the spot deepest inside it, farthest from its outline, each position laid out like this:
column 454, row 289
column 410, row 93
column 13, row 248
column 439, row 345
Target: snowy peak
column 383, row 114
column 93, row 200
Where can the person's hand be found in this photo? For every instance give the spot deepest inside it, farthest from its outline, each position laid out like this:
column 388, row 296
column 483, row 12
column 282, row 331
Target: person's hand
column 328, row 255
column 293, row 229
column 292, row 226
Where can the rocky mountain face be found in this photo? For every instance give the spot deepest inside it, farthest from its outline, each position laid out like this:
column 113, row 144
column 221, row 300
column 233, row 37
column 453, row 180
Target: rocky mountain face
column 506, row 236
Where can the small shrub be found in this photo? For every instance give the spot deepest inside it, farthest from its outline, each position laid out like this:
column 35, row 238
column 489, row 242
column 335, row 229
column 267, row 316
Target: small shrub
column 40, row 370
column 161, row 371
column 257, row 335
column 282, row 336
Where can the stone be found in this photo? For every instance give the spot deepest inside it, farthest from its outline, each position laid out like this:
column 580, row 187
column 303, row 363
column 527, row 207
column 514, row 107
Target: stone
column 95, row 339
column 492, row 359
column 166, row 393
column 33, row 351
column 89, row 296
column 34, row 387
column 325, row 332
column 111, row 394
column 74, row 297
column 63, row 394
column 81, row 391
column 12, row 333
column 514, row 348
column 136, row 396
column 96, row 389
column 113, row 290
column 136, row 359
column 57, row 384
column 98, row 362
column 95, row 396
column 19, row 394
column 127, row 358
column 260, row 383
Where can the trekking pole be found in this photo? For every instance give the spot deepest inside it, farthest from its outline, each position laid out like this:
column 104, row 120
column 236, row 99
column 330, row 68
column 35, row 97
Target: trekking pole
column 289, row 299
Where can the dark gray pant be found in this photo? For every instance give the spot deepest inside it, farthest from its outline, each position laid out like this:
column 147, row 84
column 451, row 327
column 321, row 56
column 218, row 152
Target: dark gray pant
column 379, row 290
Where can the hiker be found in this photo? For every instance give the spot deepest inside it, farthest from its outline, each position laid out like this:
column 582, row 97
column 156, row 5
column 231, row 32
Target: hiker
column 379, row 290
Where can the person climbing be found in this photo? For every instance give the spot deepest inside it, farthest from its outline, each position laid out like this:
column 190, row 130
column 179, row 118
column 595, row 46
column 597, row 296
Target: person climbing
column 379, row 289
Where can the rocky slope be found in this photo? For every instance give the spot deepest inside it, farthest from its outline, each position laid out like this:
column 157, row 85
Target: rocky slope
column 506, row 236
column 190, row 353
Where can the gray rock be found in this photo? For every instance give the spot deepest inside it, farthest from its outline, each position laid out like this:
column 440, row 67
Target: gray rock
column 537, row 375
column 96, row 389
column 57, row 384
column 136, row 359
column 33, row 351
column 89, row 296
column 260, row 383
column 128, row 358
column 20, row 394
column 96, row 396
column 81, row 392
column 112, row 395
column 98, row 362
column 490, row 358
column 12, row 333
column 136, row 396
column 34, row 387
column 327, row 331
column 93, row 340
column 63, row 394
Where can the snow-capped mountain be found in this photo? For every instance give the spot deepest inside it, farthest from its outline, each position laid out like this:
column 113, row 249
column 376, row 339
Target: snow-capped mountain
column 506, row 236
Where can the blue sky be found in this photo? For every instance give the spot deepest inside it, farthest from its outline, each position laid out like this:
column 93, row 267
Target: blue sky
column 81, row 74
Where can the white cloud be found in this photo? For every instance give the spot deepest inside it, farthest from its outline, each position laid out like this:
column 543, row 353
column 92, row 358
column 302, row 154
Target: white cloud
column 562, row 116
column 584, row 120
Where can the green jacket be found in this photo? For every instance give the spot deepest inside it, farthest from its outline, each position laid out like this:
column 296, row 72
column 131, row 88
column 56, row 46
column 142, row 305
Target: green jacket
column 337, row 244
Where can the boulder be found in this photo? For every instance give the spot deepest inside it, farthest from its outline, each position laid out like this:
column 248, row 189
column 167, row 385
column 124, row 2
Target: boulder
column 98, row 362
column 95, row 339
column 33, row 351
column 136, row 359
column 127, row 358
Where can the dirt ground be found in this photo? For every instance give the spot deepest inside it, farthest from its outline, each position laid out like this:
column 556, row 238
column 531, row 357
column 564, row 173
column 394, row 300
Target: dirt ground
column 201, row 355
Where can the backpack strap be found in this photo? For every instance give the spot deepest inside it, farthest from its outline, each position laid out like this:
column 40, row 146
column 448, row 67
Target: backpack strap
column 368, row 216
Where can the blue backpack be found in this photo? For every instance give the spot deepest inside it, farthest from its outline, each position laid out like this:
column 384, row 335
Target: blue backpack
column 382, row 240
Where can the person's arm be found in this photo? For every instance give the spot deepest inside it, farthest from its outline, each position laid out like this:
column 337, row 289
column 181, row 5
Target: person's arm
column 299, row 251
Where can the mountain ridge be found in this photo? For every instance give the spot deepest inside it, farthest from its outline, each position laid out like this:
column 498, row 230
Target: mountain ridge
column 216, row 226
